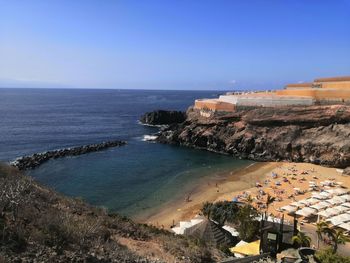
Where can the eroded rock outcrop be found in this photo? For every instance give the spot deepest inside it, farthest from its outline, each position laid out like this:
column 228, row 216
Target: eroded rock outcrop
column 162, row 117
column 315, row 134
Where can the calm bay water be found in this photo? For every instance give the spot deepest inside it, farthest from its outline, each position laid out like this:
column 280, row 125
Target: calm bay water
column 129, row 179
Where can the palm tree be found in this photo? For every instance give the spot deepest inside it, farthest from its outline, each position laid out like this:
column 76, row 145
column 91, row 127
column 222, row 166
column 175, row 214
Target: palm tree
column 270, row 199
column 301, row 239
column 338, row 237
column 249, row 199
column 322, row 228
column 206, row 209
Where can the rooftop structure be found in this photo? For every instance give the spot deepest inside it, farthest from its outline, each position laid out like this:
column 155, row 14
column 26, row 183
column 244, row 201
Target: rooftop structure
column 335, row 90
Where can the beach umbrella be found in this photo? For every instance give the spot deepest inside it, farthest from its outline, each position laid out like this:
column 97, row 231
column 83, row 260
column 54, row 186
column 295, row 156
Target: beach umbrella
column 345, row 217
column 312, row 200
column 232, row 230
column 326, row 194
column 306, row 212
column 319, row 206
column 289, row 208
column 332, row 211
column 324, row 214
column 345, row 226
column 346, row 204
column 331, row 191
column 319, row 196
column 310, row 210
column 335, row 201
column 340, row 218
column 324, row 203
column 340, row 191
column 335, row 221
column 303, row 201
column 297, row 204
column 301, row 213
column 346, row 197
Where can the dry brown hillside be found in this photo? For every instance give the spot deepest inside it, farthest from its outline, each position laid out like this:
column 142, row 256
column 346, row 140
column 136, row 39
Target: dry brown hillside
column 40, row 225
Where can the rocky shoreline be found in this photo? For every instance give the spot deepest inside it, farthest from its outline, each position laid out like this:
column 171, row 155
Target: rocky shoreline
column 33, row 161
column 162, row 117
column 314, row 134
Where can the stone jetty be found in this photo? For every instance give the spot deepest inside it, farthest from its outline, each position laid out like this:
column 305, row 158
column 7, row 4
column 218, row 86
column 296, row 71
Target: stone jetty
column 33, row 161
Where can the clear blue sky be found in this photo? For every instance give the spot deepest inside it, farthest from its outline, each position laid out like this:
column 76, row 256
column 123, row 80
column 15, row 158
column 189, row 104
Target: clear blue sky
column 182, row 44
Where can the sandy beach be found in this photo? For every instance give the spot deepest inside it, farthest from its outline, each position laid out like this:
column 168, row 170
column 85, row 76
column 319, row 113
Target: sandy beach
column 235, row 183
column 209, row 190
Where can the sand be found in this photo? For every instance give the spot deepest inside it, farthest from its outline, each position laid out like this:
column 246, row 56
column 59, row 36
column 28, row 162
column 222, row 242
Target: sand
column 245, row 180
column 209, row 190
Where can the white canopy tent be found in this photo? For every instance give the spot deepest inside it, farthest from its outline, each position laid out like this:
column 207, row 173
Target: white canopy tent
column 312, row 200
column 297, row 204
column 326, row 194
column 319, row 206
column 341, row 208
column 345, row 197
column 335, row 201
column 232, row 230
column 340, row 191
column 339, row 219
column 325, row 214
column 346, row 204
column 332, row 211
column 335, row 220
column 306, row 212
column 289, row 208
column 345, row 226
column 319, row 196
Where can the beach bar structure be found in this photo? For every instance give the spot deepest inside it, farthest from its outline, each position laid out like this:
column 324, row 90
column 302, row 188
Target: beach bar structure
column 322, row 91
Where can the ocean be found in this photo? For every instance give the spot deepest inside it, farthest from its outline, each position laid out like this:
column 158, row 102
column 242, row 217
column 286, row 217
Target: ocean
column 130, row 179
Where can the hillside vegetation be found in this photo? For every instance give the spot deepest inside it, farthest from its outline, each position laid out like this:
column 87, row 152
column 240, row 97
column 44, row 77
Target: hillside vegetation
column 39, row 225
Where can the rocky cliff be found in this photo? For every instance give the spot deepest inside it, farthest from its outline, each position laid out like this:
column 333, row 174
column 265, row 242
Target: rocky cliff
column 315, row 134
column 162, row 117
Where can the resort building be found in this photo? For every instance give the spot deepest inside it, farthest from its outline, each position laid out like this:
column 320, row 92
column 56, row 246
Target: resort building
column 334, row 90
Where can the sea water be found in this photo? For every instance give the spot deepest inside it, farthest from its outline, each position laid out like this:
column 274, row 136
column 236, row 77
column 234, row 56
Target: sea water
column 129, row 179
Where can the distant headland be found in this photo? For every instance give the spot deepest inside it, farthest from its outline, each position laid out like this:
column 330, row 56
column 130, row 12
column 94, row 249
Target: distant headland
column 305, row 122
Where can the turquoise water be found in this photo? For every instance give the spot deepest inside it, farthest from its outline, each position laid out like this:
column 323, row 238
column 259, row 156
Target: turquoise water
column 130, row 179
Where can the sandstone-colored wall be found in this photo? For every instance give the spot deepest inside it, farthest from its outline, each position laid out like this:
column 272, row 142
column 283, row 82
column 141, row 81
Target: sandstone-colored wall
column 334, row 85
column 273, row 101
column 214, row 105
column 297, row 92
column 318, row 94
column 299, row 86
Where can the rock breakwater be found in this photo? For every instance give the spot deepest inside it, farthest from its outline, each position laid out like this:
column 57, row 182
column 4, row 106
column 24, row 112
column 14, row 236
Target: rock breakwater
column 32, row 161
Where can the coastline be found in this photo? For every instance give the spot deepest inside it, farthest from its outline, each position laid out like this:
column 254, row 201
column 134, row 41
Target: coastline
column 236, row 182
column 207, row 190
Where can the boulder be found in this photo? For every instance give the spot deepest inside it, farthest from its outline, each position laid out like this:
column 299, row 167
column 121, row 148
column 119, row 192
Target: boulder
column 163, row 117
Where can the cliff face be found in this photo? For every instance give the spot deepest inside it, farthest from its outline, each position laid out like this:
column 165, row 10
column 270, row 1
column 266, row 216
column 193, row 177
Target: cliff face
column 315, row 134
column 162, row 117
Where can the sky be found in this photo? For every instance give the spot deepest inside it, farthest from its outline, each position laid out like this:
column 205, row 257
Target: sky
column 182, row 44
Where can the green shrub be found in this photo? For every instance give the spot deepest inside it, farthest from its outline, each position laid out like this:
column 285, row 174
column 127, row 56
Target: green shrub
column 327, row 256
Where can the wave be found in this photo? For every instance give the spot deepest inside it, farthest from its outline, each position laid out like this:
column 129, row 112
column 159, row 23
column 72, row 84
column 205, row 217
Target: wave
column 149, row 138
column 153, row 125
